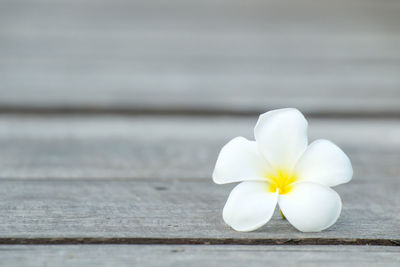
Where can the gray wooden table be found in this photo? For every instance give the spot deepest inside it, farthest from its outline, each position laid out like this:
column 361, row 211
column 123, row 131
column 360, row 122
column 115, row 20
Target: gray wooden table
column 112, row 114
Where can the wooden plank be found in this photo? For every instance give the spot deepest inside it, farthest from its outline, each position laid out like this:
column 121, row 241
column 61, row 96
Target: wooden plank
column 113, row 160
column 167, row 147
column 191, row 56
column 128, row 255
column 178, row 211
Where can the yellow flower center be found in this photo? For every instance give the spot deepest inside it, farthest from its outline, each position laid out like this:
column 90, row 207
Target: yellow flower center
column 281, row 180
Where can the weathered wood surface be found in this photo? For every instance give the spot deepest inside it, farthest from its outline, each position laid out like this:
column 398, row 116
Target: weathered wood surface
column 167, row 147
column 134, row 255
column 145, row 180
column 200, row 56
column 178, row 211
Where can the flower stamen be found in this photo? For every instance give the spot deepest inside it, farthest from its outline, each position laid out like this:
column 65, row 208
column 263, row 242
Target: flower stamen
column 281, row 181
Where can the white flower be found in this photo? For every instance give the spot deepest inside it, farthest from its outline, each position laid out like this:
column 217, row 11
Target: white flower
column 281, row 168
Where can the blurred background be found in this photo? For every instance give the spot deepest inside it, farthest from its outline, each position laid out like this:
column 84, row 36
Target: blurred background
column 153, row 89
column 200, row 57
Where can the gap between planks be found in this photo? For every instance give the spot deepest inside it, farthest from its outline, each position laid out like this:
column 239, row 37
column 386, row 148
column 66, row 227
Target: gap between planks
column 185, row 112
column 197, row 241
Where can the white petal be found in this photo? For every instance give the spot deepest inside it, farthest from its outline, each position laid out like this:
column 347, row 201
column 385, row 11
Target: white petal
column 311, row 207
column 249, row 206
column 240, row 160
column 282, row 136
column 324, row 163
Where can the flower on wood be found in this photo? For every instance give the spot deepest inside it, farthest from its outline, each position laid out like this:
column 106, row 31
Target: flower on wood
column 280, row 167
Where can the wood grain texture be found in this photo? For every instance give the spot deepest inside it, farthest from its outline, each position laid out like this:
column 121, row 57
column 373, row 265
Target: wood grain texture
column 90, row 147
column 338, row 57
column 179, row 211
column 123, row 255
column 138, row 189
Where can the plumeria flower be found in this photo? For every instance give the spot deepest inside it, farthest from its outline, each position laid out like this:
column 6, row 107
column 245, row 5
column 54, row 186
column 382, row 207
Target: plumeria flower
column 279, row 167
